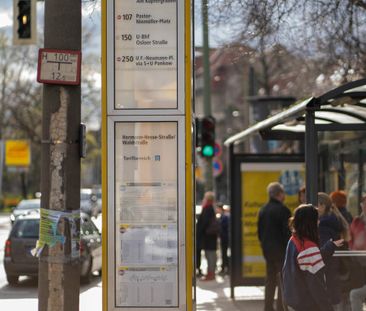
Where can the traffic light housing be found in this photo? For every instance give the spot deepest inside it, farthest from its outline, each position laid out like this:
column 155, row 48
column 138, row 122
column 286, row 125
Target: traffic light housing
column 198, row 136
column 24, row 19
column 208, row 137
column 24, row 22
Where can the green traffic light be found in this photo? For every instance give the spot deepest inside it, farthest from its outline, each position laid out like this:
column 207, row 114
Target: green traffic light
column 208, row 151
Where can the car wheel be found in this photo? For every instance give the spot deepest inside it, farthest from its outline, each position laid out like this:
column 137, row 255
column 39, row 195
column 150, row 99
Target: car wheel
column 12, row 279
column 87, row 278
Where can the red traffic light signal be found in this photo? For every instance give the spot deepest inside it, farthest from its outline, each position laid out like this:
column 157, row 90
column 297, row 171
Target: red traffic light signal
column 208, row 137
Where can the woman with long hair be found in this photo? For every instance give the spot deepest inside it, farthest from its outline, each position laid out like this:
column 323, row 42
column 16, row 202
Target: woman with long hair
column 329, row 212
column 303, row 270
column 332, row 226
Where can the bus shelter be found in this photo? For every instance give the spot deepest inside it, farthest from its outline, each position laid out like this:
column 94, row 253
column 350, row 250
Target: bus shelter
column 330, row 134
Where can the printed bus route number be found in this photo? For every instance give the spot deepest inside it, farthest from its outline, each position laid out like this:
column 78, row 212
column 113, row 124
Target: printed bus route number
column 58, row 76
column 59, row 67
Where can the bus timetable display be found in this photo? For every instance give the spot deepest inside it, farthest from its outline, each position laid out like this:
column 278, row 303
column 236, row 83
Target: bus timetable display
column 146, row 209
column 145, row 54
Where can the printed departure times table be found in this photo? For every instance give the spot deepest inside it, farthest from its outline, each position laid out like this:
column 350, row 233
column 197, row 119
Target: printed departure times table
column 146, row 228
column 145, row 54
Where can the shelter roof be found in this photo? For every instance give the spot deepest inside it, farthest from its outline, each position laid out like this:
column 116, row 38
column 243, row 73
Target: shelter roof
column 345, row 104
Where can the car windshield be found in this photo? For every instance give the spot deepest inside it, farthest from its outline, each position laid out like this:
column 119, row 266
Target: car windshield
column 27, row 228
column 29, row 204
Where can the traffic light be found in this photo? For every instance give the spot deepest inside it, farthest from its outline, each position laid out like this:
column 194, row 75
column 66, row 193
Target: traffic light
column 208, row 137
column 198, row 136
column 24, row 22
column 24, row 19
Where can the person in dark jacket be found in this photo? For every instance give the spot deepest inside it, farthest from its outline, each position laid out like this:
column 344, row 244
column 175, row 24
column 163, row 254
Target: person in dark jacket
column 304, row 286
column 332, row 226
column 224, row 237
column 207, row 237
column 273, row 234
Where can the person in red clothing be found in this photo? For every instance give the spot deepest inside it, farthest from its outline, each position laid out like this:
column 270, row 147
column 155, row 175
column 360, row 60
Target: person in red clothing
column 358, row 229
column 358, row 243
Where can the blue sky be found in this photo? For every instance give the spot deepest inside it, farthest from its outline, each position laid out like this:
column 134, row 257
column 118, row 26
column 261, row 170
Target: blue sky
column 6, row 13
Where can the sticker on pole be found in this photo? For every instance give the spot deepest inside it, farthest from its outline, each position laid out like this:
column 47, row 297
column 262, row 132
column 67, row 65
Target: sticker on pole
column 59, row 66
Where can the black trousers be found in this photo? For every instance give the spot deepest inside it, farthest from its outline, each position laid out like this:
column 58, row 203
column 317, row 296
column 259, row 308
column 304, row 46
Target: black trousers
column 273, row 267
column 224, row 244
column 198, row 258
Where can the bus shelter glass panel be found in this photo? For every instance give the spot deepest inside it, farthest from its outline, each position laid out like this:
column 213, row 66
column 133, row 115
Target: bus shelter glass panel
column 146, row 214
column 342, row 159
column 342, row 164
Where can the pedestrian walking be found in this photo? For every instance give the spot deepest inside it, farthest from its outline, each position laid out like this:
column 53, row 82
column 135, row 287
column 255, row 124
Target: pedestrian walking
column 304, row 286
column 224, row 237
column 273, row 234
column 198, row 237
column 208, row 229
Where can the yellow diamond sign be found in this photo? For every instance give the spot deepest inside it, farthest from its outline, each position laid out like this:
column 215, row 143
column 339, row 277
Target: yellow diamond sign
column 17, row 153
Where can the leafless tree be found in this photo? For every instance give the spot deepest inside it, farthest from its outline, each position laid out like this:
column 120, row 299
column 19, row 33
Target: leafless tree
column 18, row 94
column 329, row 36
column 21, row 97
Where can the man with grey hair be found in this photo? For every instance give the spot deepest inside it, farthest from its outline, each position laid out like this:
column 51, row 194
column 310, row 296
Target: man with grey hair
column 273, row 234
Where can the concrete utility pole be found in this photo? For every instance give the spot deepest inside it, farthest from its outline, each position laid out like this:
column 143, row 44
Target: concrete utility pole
column 206, row 88
column 59, row 281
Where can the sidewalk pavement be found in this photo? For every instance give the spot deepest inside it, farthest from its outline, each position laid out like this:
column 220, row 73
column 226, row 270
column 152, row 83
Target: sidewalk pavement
column 4, row 219
column 215, row 296
column 211, row 296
